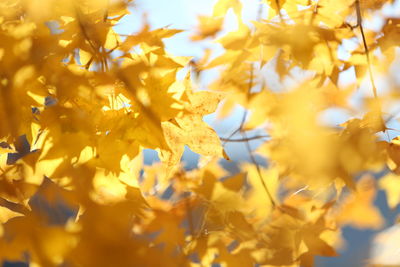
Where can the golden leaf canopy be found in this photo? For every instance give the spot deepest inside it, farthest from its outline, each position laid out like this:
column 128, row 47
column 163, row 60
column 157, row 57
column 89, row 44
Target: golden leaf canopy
column 309, row 85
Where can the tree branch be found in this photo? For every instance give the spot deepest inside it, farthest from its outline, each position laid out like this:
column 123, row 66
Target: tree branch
column 359, row 24
column 244, row 139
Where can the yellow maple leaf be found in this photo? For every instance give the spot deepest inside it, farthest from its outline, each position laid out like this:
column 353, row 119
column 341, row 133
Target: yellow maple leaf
column 208, row 27
column 360, row 203
column 190, row 129
column 390, row 183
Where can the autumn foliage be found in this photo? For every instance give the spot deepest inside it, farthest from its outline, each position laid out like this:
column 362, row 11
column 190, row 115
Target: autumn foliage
column 79, row 103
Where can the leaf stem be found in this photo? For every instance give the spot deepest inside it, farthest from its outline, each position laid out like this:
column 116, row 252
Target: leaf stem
column 359, row 24
column 278, row 6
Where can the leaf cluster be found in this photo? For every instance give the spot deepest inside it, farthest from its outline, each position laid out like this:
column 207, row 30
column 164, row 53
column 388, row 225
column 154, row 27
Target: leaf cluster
column 79, row 103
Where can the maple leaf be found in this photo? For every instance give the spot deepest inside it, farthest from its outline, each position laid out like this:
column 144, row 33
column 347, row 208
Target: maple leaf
column 361, row 203
column 191, row 130
column 79, row 103
column 208, row 27
column 389, row 183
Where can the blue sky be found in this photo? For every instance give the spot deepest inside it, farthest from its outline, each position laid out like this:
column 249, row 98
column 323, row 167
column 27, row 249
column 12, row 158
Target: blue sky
column 180, row 14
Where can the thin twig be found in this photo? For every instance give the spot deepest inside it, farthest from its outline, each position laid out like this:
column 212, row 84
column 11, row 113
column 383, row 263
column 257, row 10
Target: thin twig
column 105, row 15
column 189, row 216
column 240, row 128
column 243, row 139
column 16, row 207
column 359, row 24
column 237, row 129
column 278, row 6
column 253, row 160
